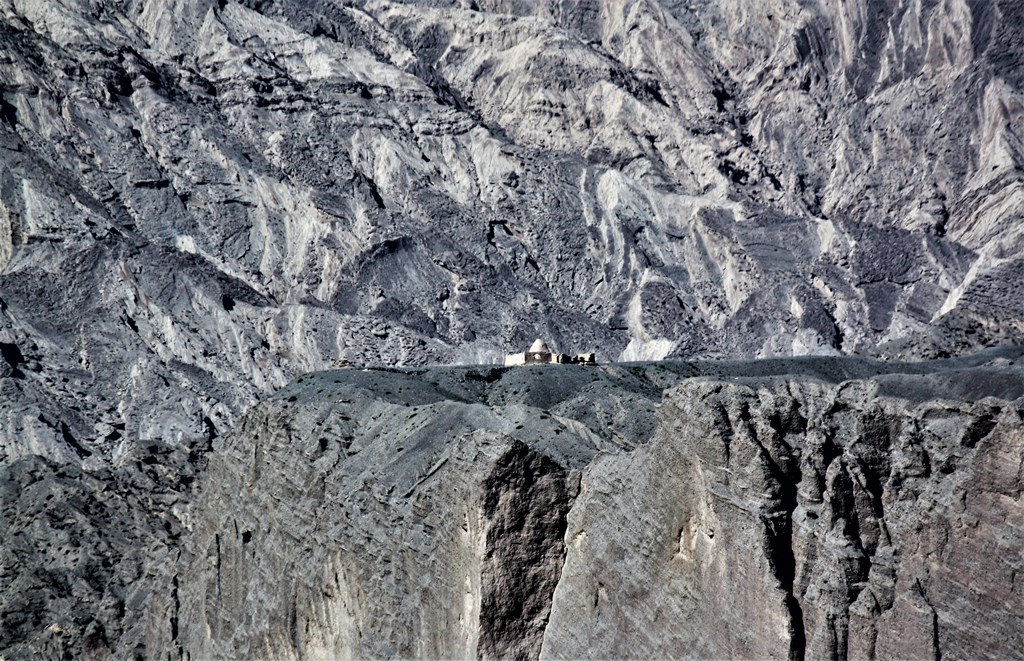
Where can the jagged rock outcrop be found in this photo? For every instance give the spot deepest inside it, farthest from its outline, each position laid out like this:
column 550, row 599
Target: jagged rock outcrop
column 82, row 552
column 200, row 200
column 793, row 520
column 800, row 508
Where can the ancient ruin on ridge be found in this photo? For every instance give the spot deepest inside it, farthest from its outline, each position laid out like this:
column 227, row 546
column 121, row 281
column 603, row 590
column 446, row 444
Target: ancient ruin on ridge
column 539, row 354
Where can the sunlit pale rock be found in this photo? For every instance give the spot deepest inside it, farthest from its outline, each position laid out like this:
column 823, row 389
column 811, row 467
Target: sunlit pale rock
column 200, row 200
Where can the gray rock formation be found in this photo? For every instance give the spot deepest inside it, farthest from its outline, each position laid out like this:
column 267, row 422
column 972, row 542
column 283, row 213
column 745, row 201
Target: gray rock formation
column 793, row 508
column 83, row 551
column 200, row 200
column 793, row 520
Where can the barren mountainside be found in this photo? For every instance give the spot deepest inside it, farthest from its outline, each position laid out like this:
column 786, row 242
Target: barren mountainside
column 201, row 200
column 791, row 230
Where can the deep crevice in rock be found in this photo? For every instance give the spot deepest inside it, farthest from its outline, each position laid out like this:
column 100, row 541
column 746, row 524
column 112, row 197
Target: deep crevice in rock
column 526, row 501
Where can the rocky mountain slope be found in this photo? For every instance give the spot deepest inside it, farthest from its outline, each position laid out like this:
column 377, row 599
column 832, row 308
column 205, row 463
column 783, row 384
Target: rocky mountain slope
column 800, row 508
column 200, row 200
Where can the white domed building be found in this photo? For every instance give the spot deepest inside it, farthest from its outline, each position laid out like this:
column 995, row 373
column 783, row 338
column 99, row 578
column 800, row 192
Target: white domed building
column 540, row 354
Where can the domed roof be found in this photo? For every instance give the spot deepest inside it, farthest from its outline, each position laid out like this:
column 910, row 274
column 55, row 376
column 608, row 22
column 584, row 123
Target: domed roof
column 539, row 346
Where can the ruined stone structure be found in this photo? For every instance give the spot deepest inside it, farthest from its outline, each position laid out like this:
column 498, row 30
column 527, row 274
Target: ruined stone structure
column 539, row 354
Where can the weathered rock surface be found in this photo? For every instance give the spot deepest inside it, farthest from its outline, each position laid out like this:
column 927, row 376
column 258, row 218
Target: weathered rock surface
column 200, row 200
column 796, row 519
column 791, row 508
column 82, row 551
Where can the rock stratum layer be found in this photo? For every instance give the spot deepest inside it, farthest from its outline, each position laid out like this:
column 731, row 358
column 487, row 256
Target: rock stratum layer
column 792, row 508
column 201, row 200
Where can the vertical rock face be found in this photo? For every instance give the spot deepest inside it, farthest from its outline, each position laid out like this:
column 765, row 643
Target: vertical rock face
column 84, row 552
column 763, row 510
column 758, row 517
column 795, row 520
column 380, row 518
column 200, row 200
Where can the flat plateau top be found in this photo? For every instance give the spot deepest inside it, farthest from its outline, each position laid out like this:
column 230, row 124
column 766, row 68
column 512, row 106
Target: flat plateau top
column 997, row 372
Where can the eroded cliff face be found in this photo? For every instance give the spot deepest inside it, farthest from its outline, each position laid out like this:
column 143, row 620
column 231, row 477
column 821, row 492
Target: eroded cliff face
column 799, row 520
column 812, row 508
column 757, row 517
column 200, row 200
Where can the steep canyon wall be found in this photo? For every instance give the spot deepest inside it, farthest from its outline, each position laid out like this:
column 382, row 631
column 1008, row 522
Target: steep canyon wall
column 801, row 508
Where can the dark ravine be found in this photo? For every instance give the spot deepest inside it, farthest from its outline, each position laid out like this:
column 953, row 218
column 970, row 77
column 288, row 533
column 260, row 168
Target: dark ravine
column 796, row 508
column 526, row 500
